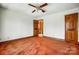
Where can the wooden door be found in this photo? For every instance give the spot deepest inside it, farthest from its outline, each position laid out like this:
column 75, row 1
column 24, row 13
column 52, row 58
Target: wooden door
column 38, row 27
column 35, row 26
column 71, row 32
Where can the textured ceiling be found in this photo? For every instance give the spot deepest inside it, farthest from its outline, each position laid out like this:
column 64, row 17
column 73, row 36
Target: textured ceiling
column 50, row 8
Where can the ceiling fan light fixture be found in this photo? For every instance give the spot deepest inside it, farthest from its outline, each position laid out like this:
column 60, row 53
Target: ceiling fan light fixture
column 39, row 7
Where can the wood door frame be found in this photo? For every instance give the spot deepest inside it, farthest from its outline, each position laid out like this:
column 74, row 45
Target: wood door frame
column 39, row 27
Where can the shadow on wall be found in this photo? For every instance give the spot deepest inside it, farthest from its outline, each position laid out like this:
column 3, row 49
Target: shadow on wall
column 1, row 13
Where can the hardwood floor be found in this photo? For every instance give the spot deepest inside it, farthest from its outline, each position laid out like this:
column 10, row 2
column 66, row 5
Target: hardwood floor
column 38, row 46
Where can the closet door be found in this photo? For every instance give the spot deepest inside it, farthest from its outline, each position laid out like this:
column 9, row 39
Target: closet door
column 71, row 28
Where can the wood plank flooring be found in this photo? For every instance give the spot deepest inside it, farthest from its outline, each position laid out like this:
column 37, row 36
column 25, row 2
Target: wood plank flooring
column 38, row 46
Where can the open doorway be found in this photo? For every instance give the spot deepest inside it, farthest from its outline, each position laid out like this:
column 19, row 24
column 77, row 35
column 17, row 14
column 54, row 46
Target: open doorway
column 38, row 27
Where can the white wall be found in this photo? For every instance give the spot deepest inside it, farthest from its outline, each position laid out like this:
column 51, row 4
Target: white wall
column 54, row 24
column 15, row 24
column 0, row 22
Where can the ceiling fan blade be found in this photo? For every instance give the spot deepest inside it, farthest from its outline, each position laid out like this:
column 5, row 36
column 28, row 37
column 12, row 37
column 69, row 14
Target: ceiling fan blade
column 1, row 6
column 42, row 10
column 33, row 11
column 32, row 5
column 45, row 4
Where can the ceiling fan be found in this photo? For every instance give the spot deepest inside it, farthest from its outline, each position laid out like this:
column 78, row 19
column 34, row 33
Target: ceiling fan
column 39, row 7
column 1, row 6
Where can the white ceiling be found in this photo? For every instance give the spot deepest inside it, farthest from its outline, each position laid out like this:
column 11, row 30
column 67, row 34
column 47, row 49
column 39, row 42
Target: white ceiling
column 50, row 8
